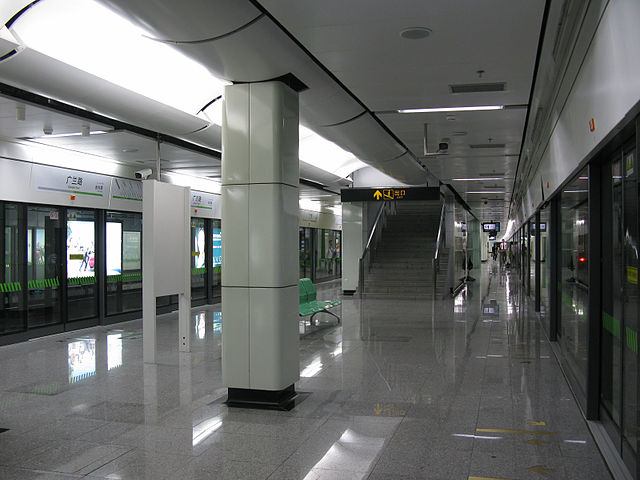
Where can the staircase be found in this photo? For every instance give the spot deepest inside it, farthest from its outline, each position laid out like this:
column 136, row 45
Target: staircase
column 402, row 266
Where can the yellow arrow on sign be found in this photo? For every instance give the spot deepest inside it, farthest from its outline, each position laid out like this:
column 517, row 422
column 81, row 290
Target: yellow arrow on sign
column 541, row 469
column 377, row 195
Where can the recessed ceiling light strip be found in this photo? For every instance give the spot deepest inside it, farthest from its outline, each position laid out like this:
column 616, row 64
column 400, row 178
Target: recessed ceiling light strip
column 478, row 108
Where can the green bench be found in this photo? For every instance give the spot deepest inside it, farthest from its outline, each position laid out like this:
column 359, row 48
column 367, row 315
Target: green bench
column 309, row 306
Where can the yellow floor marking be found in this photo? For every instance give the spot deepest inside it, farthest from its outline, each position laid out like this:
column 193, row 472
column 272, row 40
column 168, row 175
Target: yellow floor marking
column 520, row 432
column 537, row 442
column 541, row 469
column 485, row 478
column 537, row 423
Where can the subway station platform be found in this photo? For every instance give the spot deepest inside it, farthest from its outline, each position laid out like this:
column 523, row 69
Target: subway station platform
column 466, row 388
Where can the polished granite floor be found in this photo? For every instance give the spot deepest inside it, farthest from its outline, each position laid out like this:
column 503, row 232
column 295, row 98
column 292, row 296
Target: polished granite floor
column 403, row 389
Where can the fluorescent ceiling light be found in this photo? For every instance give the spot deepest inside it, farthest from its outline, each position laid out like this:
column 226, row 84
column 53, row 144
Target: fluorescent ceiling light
column 74, row 134
column 306, row 204
column 337, row 210
column 321, row 153
column 488, row 191
column 93, row 38
column 452, row 109
column 476, row 179
column 195, row 183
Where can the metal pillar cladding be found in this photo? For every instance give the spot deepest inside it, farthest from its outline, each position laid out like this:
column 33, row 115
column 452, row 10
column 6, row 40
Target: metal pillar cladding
column 260, row 176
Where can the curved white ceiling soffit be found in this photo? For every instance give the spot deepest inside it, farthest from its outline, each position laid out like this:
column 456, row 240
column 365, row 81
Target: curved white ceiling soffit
column 234, row 41
column 237, row 42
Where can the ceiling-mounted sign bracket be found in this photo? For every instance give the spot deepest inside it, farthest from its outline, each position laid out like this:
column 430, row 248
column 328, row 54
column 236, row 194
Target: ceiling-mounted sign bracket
column 389, row 193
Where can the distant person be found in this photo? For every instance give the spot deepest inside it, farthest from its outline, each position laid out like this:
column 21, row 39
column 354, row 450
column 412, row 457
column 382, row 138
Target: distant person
column 331, row 256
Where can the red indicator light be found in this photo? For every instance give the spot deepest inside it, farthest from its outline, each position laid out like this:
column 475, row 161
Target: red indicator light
column 582, row 259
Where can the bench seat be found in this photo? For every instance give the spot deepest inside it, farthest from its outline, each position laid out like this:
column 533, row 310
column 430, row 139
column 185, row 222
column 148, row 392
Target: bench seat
column 309, row 305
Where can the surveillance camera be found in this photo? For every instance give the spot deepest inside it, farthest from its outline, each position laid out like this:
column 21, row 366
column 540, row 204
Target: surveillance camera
column 144, row 173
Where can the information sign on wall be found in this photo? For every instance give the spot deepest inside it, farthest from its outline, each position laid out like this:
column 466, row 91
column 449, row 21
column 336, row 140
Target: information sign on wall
column 53, row 179
column 202, row 200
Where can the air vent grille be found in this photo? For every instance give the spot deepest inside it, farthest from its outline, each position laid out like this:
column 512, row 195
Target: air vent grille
column 487, row 145
column 478, row 87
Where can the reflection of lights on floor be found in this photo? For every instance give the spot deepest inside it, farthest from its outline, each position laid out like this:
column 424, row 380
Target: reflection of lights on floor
column 200, row 325
column 312, row 369
column 204, row 429
column 349, row 445
column 338, row 350
column 217, row 322
column 477, row 437
column 114, row 350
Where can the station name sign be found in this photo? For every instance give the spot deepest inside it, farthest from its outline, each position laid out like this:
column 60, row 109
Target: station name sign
column 382, row 194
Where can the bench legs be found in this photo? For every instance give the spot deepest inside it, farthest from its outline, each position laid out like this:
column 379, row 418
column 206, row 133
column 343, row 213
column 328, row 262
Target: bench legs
column 325, row 311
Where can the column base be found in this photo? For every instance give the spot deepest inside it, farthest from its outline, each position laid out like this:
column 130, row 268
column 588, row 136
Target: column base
column 262, row 399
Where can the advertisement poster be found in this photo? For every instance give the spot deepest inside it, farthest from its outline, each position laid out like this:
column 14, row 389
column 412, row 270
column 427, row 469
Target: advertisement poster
column 80, row 248
column 114, row 248
column 217, row 247
column 131, row 251
column 82, row 359
column 198, row 248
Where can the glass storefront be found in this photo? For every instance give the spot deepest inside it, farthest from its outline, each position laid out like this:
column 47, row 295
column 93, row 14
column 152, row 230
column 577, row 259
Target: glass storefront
column 574, row 283
column 123, row 262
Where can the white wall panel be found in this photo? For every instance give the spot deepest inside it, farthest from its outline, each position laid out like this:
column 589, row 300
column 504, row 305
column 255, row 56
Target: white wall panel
column 606, row 89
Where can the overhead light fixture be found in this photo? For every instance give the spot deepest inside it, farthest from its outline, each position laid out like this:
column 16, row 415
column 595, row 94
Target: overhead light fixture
column 452, row 109
column 476, row 179
column 95, row 39
column 415, row 33
column 492, row 191
column 74, row 134
column 326, row 155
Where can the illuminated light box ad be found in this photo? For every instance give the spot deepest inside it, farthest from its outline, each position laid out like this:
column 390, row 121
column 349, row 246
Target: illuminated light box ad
column 199, row 252
column 132, row 251
column 217, row 247
column 114, row 248
column 80, row 248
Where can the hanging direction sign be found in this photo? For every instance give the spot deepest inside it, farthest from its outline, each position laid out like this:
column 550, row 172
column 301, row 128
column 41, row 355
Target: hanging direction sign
column 389, row 193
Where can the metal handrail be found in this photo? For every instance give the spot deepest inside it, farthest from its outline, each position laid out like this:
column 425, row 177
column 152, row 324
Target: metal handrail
column 435, row 256
column 367, row 249
column 373, row 230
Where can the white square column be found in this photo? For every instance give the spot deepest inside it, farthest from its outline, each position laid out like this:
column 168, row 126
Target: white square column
column 260, row 176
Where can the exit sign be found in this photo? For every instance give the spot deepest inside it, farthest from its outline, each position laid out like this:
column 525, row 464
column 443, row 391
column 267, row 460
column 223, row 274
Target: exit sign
column 389, row 193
